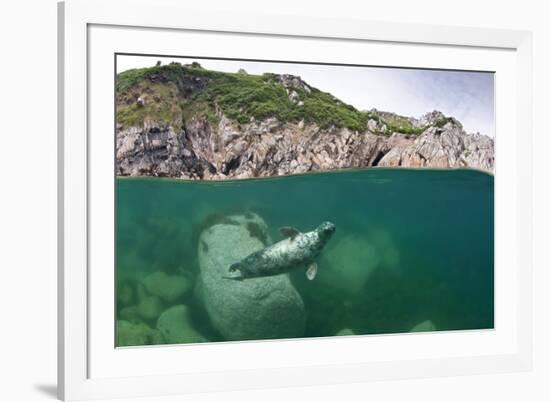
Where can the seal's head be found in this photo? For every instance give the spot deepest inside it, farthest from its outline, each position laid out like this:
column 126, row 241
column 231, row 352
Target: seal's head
column 326, row 230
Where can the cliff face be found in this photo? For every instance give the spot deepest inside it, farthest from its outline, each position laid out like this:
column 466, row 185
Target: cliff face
column 181, row 133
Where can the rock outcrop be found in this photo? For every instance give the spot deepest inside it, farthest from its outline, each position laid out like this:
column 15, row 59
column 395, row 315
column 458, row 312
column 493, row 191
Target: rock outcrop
column 229, row 150
column 444, row 147
column 184, row 121
column 259, row 308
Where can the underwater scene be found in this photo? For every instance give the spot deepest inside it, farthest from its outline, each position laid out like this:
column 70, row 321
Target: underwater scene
column 346, row 252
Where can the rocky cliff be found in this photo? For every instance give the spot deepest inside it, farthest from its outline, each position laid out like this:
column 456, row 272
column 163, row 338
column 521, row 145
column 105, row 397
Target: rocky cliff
column 184, row 121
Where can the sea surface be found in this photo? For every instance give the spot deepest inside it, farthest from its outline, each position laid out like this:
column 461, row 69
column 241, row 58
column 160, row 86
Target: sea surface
column 411, row 246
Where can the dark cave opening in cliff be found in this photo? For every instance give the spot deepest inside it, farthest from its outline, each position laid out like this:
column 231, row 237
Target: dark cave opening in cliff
column 378, row 158
column 231, row 165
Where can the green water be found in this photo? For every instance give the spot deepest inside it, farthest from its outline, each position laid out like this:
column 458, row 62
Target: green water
column 410, row 245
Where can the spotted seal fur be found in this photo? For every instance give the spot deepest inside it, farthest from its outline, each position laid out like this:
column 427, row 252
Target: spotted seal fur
column 297, row 250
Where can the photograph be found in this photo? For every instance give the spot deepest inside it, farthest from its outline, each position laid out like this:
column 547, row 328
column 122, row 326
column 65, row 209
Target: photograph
column 246, row 201
column 273, row 199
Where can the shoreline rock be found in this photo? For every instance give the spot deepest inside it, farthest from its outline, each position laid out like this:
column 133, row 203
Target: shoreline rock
column 206, row 151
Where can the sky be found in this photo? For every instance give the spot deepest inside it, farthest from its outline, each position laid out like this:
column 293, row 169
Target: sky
column 467, row 96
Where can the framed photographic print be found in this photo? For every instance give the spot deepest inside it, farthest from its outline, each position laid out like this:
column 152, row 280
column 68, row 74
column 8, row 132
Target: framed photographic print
column 249, row 202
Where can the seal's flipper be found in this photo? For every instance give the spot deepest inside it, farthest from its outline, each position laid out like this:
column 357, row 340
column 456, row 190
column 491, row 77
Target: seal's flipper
column 233, row 278
column 311, row 271
column 234, row 267
column 288, row 231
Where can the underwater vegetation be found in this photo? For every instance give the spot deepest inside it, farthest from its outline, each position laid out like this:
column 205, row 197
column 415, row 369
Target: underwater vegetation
column 413, row 251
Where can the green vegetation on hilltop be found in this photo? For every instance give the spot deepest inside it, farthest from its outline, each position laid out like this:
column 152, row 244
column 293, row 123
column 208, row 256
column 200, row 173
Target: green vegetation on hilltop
column 444, row 120
column 251, row 97
column 162, row 105
column 176, row 93
column 393, row 123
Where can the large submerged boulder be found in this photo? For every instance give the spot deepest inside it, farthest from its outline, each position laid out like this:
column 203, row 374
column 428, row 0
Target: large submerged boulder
column 350, row 261
column 359, row 259
column 258, row 308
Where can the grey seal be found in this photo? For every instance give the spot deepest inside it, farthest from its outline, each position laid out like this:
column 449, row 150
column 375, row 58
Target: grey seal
column 297, row 250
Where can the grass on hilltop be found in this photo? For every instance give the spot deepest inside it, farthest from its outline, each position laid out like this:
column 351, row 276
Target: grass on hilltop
column 177, row 93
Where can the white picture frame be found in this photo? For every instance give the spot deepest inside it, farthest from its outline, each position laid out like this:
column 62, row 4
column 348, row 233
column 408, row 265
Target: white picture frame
column 90, row 31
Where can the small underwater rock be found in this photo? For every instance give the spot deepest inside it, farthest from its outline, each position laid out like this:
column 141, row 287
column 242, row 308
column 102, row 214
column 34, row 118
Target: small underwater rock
column 130, row 313
column 149, row 307
column 136, row 334
column 259, row 308
column 424, row 326
column 345, row 332
column 125, row 293
column 168, row 287
column 157, row 338
column 175, row 326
